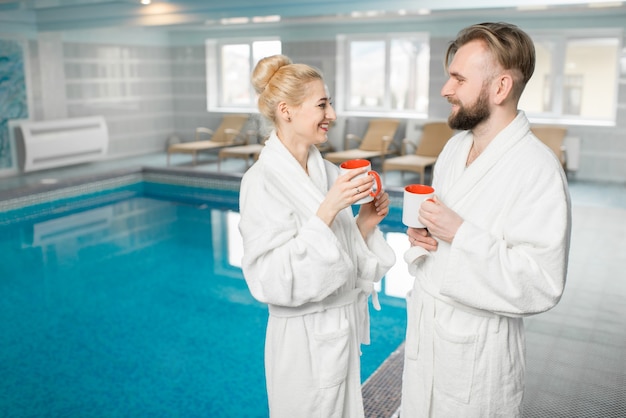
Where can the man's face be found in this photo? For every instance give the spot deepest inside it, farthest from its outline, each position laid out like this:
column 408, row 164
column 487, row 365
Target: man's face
column 467, row 87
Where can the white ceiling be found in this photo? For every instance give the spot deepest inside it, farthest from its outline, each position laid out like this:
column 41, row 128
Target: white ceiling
column 49, row 15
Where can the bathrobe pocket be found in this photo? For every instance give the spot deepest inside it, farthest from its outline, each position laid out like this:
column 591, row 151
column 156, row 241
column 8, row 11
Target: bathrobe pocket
column 454, row 362
column 333, row 352
column 414, row 313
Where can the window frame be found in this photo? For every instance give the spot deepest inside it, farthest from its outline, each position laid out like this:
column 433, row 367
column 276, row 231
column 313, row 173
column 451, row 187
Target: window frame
column 558, row 76
column 343, row 59
column 214, row 76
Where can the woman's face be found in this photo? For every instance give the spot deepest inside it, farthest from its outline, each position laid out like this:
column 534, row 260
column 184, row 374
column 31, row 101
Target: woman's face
column 312, row 118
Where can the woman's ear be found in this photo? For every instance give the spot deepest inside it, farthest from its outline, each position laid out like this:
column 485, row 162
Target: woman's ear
column 283, row 112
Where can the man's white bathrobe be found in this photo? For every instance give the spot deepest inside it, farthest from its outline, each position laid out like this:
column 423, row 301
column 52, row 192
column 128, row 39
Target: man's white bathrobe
column 464, row 351
column 316, row 280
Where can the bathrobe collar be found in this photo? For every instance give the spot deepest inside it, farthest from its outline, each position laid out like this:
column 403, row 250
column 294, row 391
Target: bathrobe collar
column 309, row 188
column 466, row 177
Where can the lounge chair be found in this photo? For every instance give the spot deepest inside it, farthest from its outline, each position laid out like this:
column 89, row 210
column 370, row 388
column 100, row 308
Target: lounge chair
column 247, row 152
column 375, row 143
column 434, row 137
column 227, row 134
column 553, row 137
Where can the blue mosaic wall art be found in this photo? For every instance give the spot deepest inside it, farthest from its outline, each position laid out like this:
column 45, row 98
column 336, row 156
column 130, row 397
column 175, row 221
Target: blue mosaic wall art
column 13, row 101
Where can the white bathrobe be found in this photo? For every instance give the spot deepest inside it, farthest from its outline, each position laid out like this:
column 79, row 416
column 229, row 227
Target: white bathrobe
column 465, row 338
column 316, row 281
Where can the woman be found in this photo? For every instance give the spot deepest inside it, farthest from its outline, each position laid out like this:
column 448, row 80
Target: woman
column 305, row 254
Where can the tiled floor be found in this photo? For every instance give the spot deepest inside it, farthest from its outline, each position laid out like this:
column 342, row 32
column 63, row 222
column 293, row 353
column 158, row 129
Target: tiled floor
column 576, row 353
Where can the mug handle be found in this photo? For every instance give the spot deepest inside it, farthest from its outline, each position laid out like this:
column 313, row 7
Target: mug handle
column 379, row 186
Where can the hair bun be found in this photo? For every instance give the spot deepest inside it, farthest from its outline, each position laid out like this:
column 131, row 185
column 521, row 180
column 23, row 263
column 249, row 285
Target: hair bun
column 265, row 70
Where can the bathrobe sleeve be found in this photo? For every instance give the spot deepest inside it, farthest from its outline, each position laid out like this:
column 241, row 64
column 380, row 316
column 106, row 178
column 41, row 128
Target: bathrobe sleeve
column 510, row 254
column 374, row 255
column 287, row 261
column 376, row 258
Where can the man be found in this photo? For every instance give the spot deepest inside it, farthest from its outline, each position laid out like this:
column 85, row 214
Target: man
column 497, row 235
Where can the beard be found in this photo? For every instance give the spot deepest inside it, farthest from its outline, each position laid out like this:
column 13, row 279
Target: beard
column 467, row 118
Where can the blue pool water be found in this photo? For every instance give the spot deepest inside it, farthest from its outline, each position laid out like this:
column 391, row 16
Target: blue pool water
column 131, row 304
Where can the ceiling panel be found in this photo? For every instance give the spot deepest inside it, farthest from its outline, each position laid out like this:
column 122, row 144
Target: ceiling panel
column 50, row 15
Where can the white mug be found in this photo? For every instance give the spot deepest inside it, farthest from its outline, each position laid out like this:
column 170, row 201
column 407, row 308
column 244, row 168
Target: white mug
column 414, row 195
column 360, row 164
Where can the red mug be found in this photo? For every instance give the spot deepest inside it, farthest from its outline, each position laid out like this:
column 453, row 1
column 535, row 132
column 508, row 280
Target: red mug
column 360, row 164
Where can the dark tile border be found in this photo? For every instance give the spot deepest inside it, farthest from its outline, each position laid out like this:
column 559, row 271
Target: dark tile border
column 41, row 193
column 383, row 390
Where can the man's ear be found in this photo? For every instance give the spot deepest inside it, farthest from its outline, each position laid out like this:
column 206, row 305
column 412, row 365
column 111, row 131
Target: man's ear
column 503, row 85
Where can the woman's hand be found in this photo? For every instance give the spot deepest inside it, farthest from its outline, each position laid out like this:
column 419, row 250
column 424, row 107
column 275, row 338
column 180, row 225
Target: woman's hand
column 346, row 191
column 421, row 237
column 372, row 213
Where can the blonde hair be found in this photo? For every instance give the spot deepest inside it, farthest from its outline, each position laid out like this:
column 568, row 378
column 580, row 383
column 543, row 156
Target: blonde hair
column 510, row 46
column 276, row 79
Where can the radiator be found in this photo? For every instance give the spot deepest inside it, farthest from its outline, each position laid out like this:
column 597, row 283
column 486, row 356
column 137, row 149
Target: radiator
column 60, row 142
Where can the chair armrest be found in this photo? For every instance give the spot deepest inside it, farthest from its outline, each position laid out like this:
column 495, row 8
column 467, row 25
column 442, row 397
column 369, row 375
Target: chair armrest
column 250, row 137
column 203, row 130
column 351, row 137
column 387, row 141
column 405, row 144
column 232, row 135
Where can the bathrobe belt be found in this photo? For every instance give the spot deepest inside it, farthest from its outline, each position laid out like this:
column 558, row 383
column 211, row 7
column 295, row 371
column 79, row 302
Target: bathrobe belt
column 357, row 295
column 333, row 301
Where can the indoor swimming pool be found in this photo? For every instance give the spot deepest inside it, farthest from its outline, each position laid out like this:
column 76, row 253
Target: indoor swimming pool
column 128, row 300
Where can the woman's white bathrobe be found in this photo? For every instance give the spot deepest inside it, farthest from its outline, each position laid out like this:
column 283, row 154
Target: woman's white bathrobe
column 316, row 280
column 464, row 351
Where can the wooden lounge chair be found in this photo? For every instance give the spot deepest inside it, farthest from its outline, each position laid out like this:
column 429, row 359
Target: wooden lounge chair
column 227, row 134
column 247, row 152
column 553, row 137
column 434, row 137
column 375, row 143
column 250, row 152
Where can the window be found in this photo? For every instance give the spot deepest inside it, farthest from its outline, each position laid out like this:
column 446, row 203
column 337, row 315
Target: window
column 382, row 74
column 229, row 65
column 575, row 79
